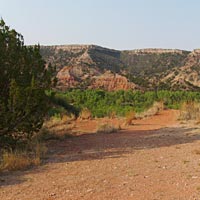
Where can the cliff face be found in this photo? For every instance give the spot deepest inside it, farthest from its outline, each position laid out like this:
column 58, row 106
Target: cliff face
column 84, row 66
column 112, row 82
column 74, row 77
column 91, row 66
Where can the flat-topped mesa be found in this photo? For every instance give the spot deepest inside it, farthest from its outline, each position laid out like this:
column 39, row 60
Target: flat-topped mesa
column 155, row 51
column 70, row 47
column 78, row 47
column 196, row 51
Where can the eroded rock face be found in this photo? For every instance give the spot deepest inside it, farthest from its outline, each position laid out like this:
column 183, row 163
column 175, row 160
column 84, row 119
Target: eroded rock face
column 74, row 77
column 66, row 79
column 91, row 66
column 186, row 77
column 111, row 82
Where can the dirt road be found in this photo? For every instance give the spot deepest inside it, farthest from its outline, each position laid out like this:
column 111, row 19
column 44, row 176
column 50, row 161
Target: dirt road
column 156, row 159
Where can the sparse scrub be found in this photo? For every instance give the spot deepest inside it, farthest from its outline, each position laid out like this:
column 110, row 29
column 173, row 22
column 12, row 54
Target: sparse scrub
column 22, row 159
column 190, row 111
column 107, row 128
column 159, row 105
column 58, row 132
column 58, row 127
column 196, row 151
column 14, row 161
column 130, row 116
column 112, row 114
column 154, row 110
column 186, row 161
column 45, row 134
column 85, row 114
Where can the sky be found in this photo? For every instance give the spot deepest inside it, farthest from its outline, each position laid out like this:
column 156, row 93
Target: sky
column 117, row 24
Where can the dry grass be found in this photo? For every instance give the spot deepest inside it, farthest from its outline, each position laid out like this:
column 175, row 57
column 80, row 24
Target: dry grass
column 112, row 115
column 190, row 111
column 85, row 114
column 196, row 151
column 107, row 128
column 15, row 161
column 58, row 127
column 60, row 133
column 55, row 128
column 38, row 149
column 22, row 159
column 45, row 134
column 154, row 110
column 130, row 116
column 64, row 120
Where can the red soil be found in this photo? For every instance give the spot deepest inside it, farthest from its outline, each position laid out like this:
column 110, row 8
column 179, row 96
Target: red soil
column 157, row 158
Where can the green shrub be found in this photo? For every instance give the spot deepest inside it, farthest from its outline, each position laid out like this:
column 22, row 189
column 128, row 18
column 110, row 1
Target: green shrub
column 103, row 103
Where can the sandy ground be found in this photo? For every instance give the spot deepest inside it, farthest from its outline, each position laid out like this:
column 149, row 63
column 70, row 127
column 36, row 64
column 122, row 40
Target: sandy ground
column 157, row 158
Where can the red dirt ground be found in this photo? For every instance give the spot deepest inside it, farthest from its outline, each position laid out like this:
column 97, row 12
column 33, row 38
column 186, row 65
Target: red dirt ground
column 155, row 159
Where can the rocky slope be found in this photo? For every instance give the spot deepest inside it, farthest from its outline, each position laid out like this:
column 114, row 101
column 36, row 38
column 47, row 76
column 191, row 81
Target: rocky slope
column 91, row 66
column 187, row 77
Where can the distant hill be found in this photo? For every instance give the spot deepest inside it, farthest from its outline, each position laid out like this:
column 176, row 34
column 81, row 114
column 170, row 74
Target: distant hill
column 91, row 66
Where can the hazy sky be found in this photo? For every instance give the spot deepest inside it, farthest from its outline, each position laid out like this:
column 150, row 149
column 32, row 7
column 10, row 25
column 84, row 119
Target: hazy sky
column 119, row 24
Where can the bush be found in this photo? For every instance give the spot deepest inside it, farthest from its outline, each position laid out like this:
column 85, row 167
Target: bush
column 190, row 111
column 45, row 134
column 85, row 114
column 130, row 116
column 153, row 110
column 14, row 161
column 107, row 128
column 112, row 114
column 22, row 159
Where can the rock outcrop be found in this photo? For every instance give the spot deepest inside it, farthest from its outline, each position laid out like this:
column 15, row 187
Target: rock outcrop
column 66, row 79
column 111, row 82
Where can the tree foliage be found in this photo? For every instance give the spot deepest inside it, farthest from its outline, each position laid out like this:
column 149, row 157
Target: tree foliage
column 24, row 77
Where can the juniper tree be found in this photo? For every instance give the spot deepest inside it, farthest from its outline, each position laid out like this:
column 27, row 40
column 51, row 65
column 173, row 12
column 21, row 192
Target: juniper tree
column 24, row 77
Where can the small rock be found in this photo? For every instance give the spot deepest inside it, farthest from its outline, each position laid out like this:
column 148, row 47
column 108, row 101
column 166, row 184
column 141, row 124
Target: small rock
column 194, row 177
column 89, row 190
column 52, row 194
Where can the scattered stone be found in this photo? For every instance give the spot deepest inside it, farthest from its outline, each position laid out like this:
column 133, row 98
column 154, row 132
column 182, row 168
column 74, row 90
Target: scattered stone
column 52, row 194
column 194, row 177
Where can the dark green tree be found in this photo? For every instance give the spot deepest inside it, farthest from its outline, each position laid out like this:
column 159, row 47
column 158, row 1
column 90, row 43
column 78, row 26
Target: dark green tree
column 24, row 77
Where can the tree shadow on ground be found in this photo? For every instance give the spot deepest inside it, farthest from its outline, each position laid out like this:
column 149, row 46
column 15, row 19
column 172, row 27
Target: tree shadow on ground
column 103, row 146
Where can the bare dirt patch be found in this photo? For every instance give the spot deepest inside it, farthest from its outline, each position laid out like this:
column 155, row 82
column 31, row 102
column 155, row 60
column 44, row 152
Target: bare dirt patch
column 156, row 158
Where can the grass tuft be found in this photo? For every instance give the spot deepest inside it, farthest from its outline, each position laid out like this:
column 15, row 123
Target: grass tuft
column 107, row 128
column 130, row 116
column 85, row 114
column 14, row 161
column 153, row 110
column 22, row 159
column 190, row 111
